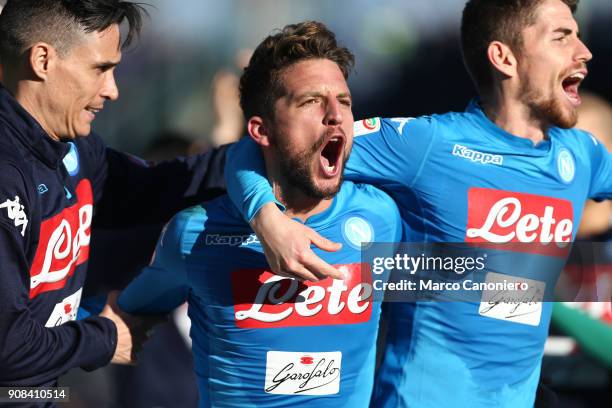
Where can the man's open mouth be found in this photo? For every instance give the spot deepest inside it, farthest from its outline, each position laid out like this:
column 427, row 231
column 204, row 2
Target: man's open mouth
column 571, row 84
column 331, row 155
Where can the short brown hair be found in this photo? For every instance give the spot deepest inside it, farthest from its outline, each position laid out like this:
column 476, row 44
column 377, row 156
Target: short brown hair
column 485, row 21
column 261, row 85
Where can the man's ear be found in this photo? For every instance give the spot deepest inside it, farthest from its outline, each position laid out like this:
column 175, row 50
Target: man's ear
column 42, row 59
column 258, row 131
column 502, row 59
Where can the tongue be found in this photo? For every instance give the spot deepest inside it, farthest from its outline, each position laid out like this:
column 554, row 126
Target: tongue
column 327, row 168
column 571, row 90
column 325, row 161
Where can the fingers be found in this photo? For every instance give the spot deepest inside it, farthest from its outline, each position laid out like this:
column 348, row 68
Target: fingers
column 323, row 243
column 298, row 272
column 287, row 246
column 111, row 298
column 142, row 329
column 320, row 268
column 308, row 266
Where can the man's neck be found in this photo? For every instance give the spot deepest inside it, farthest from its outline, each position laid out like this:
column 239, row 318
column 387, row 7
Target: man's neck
column 298, row 204
column 26, row 96
column 515, row 118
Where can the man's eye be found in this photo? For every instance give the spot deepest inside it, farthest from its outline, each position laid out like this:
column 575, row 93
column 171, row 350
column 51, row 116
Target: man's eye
column 102, row 69
column 311, row 101
column 346, row 102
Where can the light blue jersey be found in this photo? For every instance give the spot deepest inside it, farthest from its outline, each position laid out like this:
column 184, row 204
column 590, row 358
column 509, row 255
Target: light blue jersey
column 260, row 340
column 458, row 177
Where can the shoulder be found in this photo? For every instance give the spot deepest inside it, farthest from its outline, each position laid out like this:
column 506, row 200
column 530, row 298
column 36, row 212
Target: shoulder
column 574, row 136
column 191, row 220
column 15, row 179
column 395, row 126
column 366, row 197
column 392, row 125
column 417, row 134
column 92, row 147
column 222, row 213
column 93, row 141
column 579, row 142
column 217, row 216
column 12, row 152
column 372, row 205
column 586, row 138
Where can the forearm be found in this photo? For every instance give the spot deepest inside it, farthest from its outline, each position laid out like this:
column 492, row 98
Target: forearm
column 137, row 194
column 153, row 292
column 31, row 354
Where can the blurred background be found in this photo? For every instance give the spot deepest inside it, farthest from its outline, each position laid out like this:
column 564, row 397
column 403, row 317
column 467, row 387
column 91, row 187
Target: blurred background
column 181, row 82
column 407, row 53
column 178, row 95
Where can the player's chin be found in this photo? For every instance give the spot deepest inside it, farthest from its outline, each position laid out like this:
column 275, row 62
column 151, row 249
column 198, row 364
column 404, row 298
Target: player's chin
column 327, row 187
column 566, row 117
column 83, row 129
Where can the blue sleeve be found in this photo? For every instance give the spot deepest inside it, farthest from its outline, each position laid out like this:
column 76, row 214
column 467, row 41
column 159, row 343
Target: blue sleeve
column 390, row 151
column 162, row 286
column 387, row 151
column 247, row 185
column 601, row 178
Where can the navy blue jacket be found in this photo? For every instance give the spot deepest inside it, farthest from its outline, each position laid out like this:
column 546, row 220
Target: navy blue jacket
column 50, row 193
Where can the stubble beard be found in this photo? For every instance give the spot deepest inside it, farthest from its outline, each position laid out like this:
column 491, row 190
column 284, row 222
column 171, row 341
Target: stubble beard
column 297, row 169
column 548, row 109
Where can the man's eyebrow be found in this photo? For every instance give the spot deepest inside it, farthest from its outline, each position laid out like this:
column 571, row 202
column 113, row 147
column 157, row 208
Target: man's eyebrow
column 320, row 95
column 106, row 65
column 309, row 94
column 564, row 31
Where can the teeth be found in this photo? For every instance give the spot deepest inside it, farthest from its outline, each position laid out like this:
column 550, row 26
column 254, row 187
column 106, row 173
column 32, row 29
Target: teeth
column 577, row 75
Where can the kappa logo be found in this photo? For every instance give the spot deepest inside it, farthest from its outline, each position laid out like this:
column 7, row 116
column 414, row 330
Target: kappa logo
column 566, row 166
column 476, row 156
column 357, row 231
column 232, row 240
column 16, row 213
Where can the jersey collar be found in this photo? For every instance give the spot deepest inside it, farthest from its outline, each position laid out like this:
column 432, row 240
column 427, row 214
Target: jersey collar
column 29, row 132
column 491, row 130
